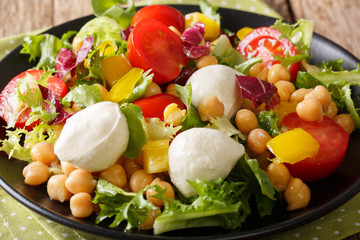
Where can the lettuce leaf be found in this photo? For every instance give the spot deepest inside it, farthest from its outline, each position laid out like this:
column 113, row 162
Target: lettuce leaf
column 244, row 67
column 122, row 205
column 137, row 138
column 210, row 11
column 112, row 10
column 140, row 86
column 85, row 95
column 268, row 121
column 45, row 47
column 300, row 33
column 192, row 118
column 158, row 130
column 226, row 54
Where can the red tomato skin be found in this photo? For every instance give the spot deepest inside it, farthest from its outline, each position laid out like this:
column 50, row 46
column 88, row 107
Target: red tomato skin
column 153, row 107
column 152, row 45
column 263, row 42
column 164, row 14
column 57, row 86
column 333, row 141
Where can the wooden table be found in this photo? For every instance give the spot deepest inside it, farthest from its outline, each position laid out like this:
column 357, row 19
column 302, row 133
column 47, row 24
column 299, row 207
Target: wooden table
column 334, row 19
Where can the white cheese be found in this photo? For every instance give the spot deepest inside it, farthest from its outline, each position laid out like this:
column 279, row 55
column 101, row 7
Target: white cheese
column 94, row 138
column 201, row 153
column 219, row 81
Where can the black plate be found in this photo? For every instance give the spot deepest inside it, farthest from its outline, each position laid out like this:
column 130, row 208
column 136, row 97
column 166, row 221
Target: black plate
column 327, row 194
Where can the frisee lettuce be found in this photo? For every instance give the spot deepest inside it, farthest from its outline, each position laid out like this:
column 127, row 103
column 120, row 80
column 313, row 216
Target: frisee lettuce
column 268, row 121
column 85, row 95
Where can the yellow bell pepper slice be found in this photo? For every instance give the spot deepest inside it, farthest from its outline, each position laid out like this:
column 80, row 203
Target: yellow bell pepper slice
column 242, row 32
column 212, row 27
column 114, row 68
column 124, row 87
column 107, row 48
column 155, row 156
column 293, row 146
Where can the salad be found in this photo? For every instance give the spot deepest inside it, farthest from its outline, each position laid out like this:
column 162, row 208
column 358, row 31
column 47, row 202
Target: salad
column 161, row 121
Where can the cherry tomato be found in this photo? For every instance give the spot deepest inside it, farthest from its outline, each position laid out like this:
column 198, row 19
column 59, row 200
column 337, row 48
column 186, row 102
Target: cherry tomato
column 154, row 106
column 333, row 141
column 152, row 45
column 263, row 42
column 164, row 14
column 12, row 111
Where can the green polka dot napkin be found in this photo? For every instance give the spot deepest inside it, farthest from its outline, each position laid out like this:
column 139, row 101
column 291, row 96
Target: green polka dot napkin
column 17, row 222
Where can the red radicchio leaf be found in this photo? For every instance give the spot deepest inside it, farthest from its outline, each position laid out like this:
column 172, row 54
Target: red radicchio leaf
column 65, row 60
column 258, row 91
column 192, row 37
column 49, row 96
column 125, row 33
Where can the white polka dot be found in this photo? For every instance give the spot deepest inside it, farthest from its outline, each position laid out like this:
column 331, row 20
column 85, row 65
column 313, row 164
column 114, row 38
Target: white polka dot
column 297, row 234
column 224, row 3
column 23, row 228
column 49, row 221
column 336, row 232
column 315, row 238
column 12, row 214
column 342, row 210
column 7, row 51
column 5, row 224
column 252, row 9
column 322, row 218
column 64, row 234
column 357, row 224
column 238, row 6
column 318, row 228
column 3, row 200
column 11, row 42
column 267, row 10
column 16, row 239
column 179, row 1
column 339, row 220
column 40, row 232
column 29, row 217
column 359, row 212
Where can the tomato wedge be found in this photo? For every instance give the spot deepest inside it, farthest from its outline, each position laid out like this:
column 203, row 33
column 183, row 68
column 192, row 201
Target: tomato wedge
column 264, row 42
column 164, row 14
column 153, row 107
column 333, row 141
column 12, row 111
column 152, row 45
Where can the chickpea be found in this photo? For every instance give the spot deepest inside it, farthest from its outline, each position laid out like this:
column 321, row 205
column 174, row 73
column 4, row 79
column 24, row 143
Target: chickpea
column 297, row 194
column 310, row 110
column 346, row 122
column 299, row 94
column 321, row 94
column 206, row 61
column 259, row 70
column 81, row 205
column 139, row 180
column 246, row 121
column 115, row 174
column 284, row 89
column 257, row 140
column 170, row 89
column 43, row 152
column 56, row 188
column 152, row 89
column 130, row 166
column 36, row 173
column 67, row 168
column 210, row 107
column 278, row 72
column 331, row 110
column 76, row 107
column 279, row 175
column 150, row 219
column 164, row 185
column 80, row 180
column 104, row 92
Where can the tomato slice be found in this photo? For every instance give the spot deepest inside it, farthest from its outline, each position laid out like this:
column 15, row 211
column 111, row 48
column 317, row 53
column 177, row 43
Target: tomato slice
column 153, row 107
column 152, row 45
column 164, row 14
column 333, row 141
column 264, row 42
column 12, row 111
